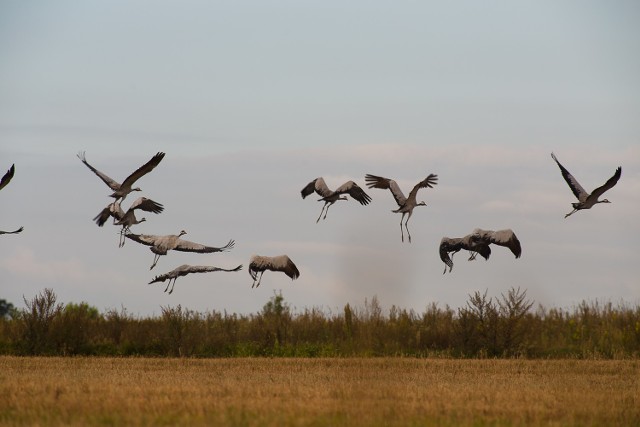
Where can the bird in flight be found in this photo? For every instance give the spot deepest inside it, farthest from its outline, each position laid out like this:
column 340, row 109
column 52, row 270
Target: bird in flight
column 160, row 245
column 185, row 269
column 128, row 218
column 586, row 200
column 259, row 264
column 330, row 197
column 478, row 243
column 405, row 204
column 120, row 191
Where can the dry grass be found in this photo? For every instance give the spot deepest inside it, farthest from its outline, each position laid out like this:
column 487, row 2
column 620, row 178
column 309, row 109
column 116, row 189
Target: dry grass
column 390, row 391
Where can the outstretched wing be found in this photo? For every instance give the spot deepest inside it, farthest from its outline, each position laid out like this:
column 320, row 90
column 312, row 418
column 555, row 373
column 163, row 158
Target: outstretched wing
column 145, row 239
column 507, row 238
column 374, row 181
column 113, row 184
column 7, row 176
column 319, row 186
column 163, row 277
column 208, row 268
column 147, row 205
column 355, row 191
column 428, row 182
column 19, row 230
column 575, row 186
column 607, row 185
column 187, row 246
column 143, row 170
column 113, row 210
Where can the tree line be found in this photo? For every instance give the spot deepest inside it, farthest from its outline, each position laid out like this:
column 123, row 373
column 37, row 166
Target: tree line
column 502, row 326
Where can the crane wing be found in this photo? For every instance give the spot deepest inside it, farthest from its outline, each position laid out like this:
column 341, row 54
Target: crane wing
column 146, row 205
column 145, row 239
column 208, row 268
column 355, row 191
column 319, row 186
column 187, row 246
column 143, row 170
column 575, row 186
column 113, row 184
column 113, row 210
column 19, row 230
column 7, row 176
column 163, row 277
column 309, row 188
column 283, row 263
column 449, row 245
column 607, row 185
column 507, row 238
column 428, row 182
column 374, row 181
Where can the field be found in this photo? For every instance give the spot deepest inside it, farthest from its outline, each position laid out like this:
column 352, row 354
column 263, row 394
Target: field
column 333, row 391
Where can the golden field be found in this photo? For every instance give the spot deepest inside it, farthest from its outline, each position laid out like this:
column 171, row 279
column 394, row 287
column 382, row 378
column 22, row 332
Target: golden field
column 317, row 392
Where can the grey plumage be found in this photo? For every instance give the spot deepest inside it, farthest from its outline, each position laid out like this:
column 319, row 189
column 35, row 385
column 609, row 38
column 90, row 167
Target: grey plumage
column 329, row 197
column 478, row 243
column 120, row 191
column 586, row 200
column 128, row 218
column 405, row 204
column 259, row 264
column 160, row 245
column 185, row 269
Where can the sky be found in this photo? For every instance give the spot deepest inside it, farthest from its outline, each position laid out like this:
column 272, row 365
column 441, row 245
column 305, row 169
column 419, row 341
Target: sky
column 252, row 100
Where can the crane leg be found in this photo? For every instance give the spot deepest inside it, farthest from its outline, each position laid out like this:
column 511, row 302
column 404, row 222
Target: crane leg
column 326, row 211
column 174, row 283
column 165, row 289
column 155, row 261
column 406, row 225
column 573, row 211
column 401, row 230
column 322, row 210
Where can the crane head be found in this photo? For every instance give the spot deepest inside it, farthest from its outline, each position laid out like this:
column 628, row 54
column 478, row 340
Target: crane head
column 422, row 204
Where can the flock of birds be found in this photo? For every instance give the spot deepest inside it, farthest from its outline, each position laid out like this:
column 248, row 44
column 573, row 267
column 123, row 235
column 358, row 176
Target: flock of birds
column 477, row 242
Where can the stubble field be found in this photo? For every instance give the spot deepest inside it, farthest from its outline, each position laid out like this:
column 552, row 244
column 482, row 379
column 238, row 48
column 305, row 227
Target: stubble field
column 353, row 391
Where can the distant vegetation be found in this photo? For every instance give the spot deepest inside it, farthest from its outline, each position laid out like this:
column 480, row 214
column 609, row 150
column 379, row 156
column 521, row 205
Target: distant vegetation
column 505, row 326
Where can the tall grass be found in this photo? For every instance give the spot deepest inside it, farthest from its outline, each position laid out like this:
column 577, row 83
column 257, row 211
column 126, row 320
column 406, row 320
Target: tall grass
column 504, row 326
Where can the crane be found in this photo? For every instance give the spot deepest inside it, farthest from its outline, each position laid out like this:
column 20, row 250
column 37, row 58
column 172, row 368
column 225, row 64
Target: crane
column 160, row 245
column 185, row 269
column 120, row 191
column 128, row 218
column 405, row 204
column 586, row 200
column 259, row 264
column 330, row 197
column 478, row 243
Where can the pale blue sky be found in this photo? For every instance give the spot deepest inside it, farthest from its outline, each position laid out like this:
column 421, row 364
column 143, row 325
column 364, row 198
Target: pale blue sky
column 252, row 100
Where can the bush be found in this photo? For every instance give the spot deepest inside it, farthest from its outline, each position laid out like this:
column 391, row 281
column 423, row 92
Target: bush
column 484, row 327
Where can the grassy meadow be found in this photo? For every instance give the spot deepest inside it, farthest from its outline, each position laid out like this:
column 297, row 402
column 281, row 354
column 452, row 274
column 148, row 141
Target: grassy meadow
column 317, row 391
